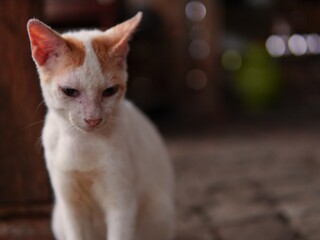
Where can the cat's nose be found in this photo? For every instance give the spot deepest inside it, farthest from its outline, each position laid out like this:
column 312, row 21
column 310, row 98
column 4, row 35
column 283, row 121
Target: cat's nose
column 93, row 122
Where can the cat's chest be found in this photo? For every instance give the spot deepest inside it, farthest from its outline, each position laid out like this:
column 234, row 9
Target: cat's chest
column 78, row 153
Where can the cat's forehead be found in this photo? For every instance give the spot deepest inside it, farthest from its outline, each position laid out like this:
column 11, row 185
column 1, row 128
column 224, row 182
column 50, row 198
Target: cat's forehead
column 90, row 45
column 88, row 63
column 85, row 36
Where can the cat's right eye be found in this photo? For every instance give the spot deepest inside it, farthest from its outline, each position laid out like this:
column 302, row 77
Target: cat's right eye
column 70, row 92
column 110, row 91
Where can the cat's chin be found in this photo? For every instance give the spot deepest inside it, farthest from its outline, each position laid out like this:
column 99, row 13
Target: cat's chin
column 87, row 129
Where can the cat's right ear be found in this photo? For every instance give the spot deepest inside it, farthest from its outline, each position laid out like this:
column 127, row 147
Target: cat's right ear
column 45, row 42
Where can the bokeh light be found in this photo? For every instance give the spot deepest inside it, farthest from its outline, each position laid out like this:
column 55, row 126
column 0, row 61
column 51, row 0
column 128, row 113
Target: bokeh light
column 297, row 45
column 313, row 43
column 195, row 11
column 276, row 46
column 199, row 49
column 196, row 79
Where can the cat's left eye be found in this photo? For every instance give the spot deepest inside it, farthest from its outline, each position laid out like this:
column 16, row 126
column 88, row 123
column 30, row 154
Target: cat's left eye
column 70, row 92
column 108, row 92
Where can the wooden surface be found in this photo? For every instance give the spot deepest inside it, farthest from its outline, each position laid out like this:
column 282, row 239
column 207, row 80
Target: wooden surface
column 23, row 177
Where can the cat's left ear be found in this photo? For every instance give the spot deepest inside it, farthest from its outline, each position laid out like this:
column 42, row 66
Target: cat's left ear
column 45, row 42
column 122, row 33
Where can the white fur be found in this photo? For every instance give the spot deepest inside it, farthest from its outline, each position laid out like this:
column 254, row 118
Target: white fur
column 113, row 182
column 123, row 180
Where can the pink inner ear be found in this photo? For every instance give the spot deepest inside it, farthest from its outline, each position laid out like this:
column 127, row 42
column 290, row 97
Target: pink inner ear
column 40, row 50
column 44, row 41
column 121, row 49
column 123, row 33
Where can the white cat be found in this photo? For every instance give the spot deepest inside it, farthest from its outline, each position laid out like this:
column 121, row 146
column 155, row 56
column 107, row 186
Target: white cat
column 109, row 169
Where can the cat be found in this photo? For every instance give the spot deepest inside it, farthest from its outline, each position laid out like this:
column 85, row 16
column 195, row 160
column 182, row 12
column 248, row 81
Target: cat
column 108, row 166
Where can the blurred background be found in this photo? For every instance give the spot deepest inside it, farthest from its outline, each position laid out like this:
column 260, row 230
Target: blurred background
column 200, row 69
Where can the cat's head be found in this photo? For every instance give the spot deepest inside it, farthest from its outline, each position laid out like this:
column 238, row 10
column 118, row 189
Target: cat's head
column 82, row 74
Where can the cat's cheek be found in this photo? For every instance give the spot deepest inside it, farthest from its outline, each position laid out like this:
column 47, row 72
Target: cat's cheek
column 73, row 121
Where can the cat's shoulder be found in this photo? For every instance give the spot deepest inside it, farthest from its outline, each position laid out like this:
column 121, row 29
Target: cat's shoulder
column 136, row 117
column 131, row 109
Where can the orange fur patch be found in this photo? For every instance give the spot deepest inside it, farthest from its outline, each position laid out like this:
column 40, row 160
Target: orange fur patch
column 75, row 58
column 72, row 58
column 101, row 49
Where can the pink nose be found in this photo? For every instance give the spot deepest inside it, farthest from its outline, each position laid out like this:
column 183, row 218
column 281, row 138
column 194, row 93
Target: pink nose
column 93, row 122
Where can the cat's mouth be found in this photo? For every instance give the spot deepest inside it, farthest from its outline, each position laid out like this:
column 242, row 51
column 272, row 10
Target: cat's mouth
column 87, row 128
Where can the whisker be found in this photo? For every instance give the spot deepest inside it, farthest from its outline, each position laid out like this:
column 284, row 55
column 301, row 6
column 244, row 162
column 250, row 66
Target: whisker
column 38, row 145
column 71, row 128
column 39, row 105
column 33, row 124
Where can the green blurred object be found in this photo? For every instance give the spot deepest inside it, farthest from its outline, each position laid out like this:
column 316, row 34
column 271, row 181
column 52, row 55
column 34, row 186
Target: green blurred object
column 258, row 82
column 231, row 60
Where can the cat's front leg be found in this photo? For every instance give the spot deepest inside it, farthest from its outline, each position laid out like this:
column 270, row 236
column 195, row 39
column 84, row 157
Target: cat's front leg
column 121, row 221
column 71, row 221
column 73, row 209
column 66, row 224
column 118, row 196
column 79, row 220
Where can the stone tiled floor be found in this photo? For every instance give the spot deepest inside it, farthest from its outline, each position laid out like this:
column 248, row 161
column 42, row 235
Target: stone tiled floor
column 264, row 185
column 240, row 185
